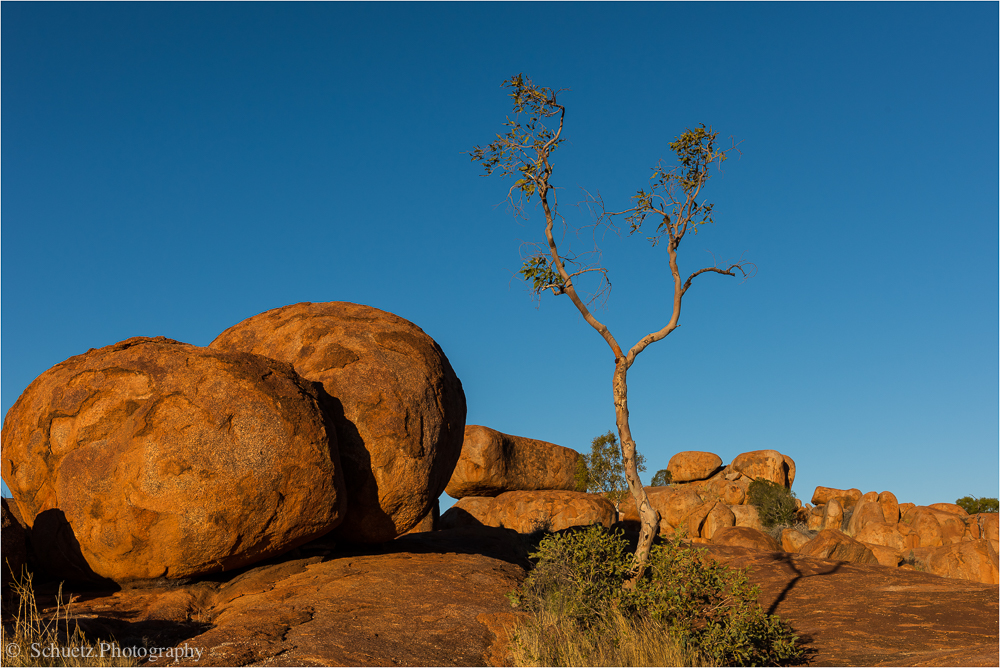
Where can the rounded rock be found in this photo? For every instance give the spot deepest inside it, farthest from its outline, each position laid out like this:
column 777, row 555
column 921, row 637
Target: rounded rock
column 396, row 404
column 152, row 458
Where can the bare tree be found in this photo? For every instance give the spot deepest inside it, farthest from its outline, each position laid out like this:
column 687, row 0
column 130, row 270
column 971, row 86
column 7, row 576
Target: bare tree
column 672, row 199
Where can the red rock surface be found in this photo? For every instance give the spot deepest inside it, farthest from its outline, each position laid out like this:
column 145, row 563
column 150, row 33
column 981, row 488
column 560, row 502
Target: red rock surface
column 493, row 463
column 832, row 544
column 398, row 407
column 152, row 458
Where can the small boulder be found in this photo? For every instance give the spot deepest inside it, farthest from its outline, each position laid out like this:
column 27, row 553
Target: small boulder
column 493, row 463
column 887, row 535
column 767, row 464
column 890, row 507
column 718, row 517
column 865, row 512
column 953, row 508
column 833, row 515
column 395, row 402
column 836, row 545
column 814, row 520
column 693, row 465
column 903, row 507
column 732, row 494
column 673, row 503
column 747, row 516
column 152, row 458
column 552, row 510
column 847, row 497
column 738, row 536
column 793, row 539
column 886, row 556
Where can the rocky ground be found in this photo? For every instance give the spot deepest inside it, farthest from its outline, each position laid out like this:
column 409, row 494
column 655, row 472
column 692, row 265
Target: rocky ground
column 438, row 598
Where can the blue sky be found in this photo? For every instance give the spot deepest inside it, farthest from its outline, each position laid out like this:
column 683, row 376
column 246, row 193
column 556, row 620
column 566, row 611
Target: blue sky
column 171, row 169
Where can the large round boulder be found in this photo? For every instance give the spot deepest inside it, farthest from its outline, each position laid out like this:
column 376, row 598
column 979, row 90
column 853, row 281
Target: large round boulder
column 493, row 463
column 552, row 510
column 152, row 458
column 397, row 405
column 693, row 465
column 767, row 464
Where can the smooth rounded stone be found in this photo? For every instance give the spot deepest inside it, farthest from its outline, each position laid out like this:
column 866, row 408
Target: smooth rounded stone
column 903, row 507
column 793, row 539
column 970, row 560
column 953, row 508
column 552, row 510
column 984, row 525
column 934, row 527
column 738, row 536
column 833, row 515
column 719, row 517
column 397, row 406
column 152, row 458
column 865, row 512
column 869, row 496
column 847, row 497
column 765, row 464
column 890, row 506
column 467, row 511
column 747, row 516
column 693, row 465
column 886, row 556
column 836, row 545
column 493, row 463
column 887, row 535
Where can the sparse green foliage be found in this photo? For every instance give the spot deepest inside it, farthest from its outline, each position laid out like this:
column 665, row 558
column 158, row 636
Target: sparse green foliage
column 605, row 471
column 708, row 606
column 775, row 504
column 975, row 504
column 662, row 478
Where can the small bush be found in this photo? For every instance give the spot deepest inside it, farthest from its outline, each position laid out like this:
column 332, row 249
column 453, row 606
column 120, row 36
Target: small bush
column 775, row 504
column 975, row 504
column 662, row 478
column 707, row 609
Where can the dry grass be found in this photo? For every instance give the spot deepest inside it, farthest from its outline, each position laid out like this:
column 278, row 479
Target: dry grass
column 39, row 639
column 545, row 639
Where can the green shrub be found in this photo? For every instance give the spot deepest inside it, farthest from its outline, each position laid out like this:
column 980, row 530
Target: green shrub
column 662, row 478
column 708, row 608
column 974, row 504
column 775, row 504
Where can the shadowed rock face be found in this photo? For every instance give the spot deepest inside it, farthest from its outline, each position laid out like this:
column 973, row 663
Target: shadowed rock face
column 153, row 458
column 493, row 463
column 397, row 405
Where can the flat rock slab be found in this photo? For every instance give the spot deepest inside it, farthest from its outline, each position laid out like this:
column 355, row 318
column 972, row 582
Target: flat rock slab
column 854, row 615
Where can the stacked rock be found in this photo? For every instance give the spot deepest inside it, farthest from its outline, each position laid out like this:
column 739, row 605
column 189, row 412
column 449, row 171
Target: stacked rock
column 706, row 499
column 941, row 538
column 152, row 458
column 521, row 484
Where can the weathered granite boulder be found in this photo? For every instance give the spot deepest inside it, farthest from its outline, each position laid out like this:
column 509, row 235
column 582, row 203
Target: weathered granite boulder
column 847, row 497
column 674, row 504
column 152, row 458
column 397, row 405
column 831, row 544
column 745, row 537
column 933, row 527
column 890, row 507
column 887, row 535
column 865, row 512
column 767, row 464
column 493, row 463
column 969, row 560
column 747, row 516
column 793, row 539
column 552, row 510
column 833, row 515
column 718, row 517
column 693, row 465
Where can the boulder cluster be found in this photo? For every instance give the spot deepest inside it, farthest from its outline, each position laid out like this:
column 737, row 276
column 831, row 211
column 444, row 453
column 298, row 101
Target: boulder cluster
column 152, row 458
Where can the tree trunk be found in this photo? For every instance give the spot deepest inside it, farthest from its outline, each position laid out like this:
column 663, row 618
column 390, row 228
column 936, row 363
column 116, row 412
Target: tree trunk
column 649, row 517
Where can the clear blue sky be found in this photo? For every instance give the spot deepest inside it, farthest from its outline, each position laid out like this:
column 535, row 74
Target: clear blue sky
column 171, row 169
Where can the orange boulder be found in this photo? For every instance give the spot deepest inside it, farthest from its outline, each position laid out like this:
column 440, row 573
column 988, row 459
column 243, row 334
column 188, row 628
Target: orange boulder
column 492, row 463
column 552, row 510
column 830, row 544
column 745, row 537
column 719, row 517
column 767, row 464
column 395, row 402
column 890, row 507
column 693, row 465
column 971, row 560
